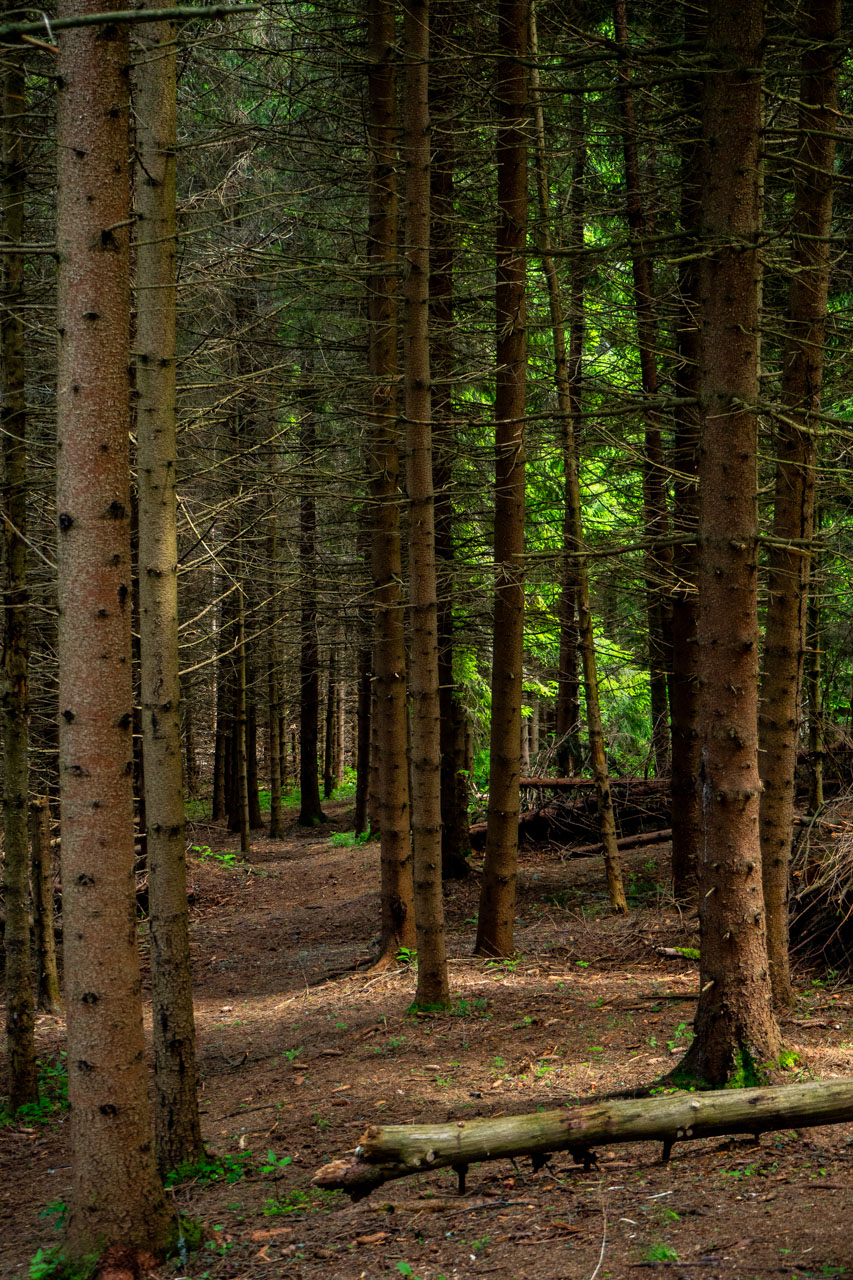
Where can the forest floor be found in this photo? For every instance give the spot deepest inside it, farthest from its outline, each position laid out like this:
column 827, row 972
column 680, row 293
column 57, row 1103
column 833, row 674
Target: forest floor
column 299, row 1051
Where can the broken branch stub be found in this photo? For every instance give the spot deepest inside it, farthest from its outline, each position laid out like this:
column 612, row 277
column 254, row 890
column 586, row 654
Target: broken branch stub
column 398, row 1151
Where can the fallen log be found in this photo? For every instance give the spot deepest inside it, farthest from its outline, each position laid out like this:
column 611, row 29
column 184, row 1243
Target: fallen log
column 398, row 1151
column 624, row 842
column 636, row 786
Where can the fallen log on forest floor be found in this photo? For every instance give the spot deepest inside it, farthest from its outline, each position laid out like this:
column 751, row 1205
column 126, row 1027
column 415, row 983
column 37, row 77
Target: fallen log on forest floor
column 398, row 1151
column 625, row 842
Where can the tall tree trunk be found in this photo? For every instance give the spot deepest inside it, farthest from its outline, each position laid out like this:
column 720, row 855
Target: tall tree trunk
column 241, row 813
column 49, row 998
column 432, row 988
column 658, row 558
column 20, row 1024
column 568, row 726
column 455, row 838
column 496, row 919
column 736, row 1033
column 329, row 744
column 310, row 811
column 275, row 721
column 115, row 1197
column 796, row 454
column 176, row 1118
column 388, row 758
column 684, row 689
column 813, row 686
column 573, row 528
column 362, row 758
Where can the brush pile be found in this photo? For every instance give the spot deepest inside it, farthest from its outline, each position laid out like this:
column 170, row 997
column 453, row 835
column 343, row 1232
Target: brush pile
column 822, row 887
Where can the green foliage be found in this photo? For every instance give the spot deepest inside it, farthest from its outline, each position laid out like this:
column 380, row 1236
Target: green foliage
column 275, row 1163
column 470, row 1008
column 302, row 1200
column 58, row 1210
column 52, row 1264
column 406, row 955
column 211, row 1169
column 661, row 1252
column 347, row 839
column 206, row 854
column 53, row 1095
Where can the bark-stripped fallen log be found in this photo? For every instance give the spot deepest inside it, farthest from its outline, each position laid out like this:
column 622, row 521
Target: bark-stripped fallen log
column 624, row 842
column 398, row 1151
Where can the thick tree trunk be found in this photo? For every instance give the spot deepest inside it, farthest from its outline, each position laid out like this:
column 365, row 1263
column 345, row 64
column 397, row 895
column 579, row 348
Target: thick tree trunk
column 573, row 526
column 796, row 452
column 496, row 918
column 736, row 1033
column 115, row 1196
column 400, row 1151
column 432, row 986
column 20, row 1025
column 389, row 775
column 176, row 1117
column 48, row 994
column 814, row 692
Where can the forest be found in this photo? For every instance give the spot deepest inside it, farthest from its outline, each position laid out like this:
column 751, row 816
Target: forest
column 426, row 686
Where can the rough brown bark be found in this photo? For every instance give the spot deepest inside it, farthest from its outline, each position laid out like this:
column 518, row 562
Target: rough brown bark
column 455, row 842
column 735, row 1031
column 49, row 998
column 176, row 1118
column 686, row 817
column 814, row 692
column 310, row 811
column 115, row 1195
column 362, row 759
column 496, row 918
column 20, row 1025
column 400, row 1151
column 796, row 454
column 432, row 986
column 329, row 782
column 573, row 525
column 388, row 759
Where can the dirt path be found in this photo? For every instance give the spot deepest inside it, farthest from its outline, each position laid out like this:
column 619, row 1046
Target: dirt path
column 299, row 1052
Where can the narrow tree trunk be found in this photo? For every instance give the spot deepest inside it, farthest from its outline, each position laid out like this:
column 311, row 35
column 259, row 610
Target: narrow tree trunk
column 49, row 998
column 568, row 727
column 310, row 811
column 496, row 918
column 654, row 476
column 241, row 816
column 796, row 454
column 388, row 771
column 20, row 1025
column 176, row 1116
column 736, row 1033
column 573, row 528
column 362, row 759
column 432, row 987
column 115, row 1196
column 329, row 744
column 686, row 815
column 814, row 693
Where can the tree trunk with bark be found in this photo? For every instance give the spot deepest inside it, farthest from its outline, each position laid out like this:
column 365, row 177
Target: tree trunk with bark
column 311, row 811
column 496, row 917
column 115, row 1196
column 432, row 986
column 796, row 454
column 48, row 995
column 20, row 1022
column 401, row 1151
column 736, row 1035
column 176, row 1117
column 686, row 816
column 388, row 720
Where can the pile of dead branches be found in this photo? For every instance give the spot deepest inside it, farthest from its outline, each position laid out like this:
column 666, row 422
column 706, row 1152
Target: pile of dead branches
column 822, row 887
